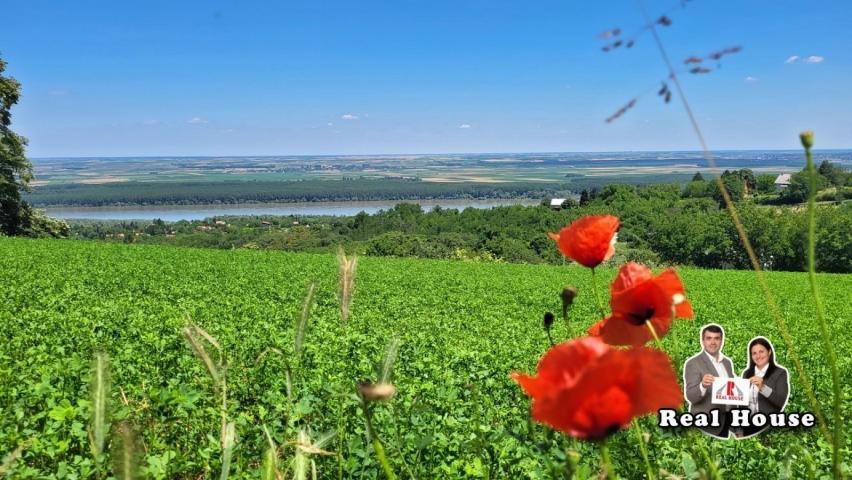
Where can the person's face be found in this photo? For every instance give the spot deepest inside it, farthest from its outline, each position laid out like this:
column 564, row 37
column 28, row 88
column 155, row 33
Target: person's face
column 759, row 355
column 712, row 342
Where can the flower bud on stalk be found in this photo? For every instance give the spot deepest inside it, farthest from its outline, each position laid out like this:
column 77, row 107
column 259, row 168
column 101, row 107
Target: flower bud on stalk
column 376, row 392
column 807, row 138
column 568, row 294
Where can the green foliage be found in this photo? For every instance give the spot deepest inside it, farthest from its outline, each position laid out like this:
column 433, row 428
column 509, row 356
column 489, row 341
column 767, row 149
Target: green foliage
column 766, row 183
column 15, row 169
column 799, row 188
column 696, row 189
column 660, row 226
column 834, row 174
column 733, row 184
column 462, row 326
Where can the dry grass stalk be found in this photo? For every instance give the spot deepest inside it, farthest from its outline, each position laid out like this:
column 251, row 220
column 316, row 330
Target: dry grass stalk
column 228, row 442
column 732, row 210
column 100, row 399
column 201, row 353
column 9, row 461
column 391, row 354
column 302, row 323
column 269, row 470
column 125, row 465
column 347, row 281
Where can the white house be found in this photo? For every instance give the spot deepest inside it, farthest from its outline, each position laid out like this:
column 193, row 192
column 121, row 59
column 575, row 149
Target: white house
column 783, row 180
column 556, row 203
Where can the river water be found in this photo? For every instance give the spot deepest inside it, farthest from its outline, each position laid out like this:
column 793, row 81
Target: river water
column 173, row 213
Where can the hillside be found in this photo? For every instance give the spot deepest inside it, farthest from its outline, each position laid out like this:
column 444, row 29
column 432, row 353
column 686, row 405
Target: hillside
column 463, row 328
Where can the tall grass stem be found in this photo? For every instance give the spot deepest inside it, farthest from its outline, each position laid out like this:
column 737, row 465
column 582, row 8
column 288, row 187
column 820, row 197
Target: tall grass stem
column 807, row 142
column 755, row 263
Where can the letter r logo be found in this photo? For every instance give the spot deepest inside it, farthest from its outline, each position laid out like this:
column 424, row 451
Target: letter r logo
column 730, row 388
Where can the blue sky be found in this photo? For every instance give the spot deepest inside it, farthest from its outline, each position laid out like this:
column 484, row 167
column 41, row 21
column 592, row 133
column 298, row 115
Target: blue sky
column 341, row 77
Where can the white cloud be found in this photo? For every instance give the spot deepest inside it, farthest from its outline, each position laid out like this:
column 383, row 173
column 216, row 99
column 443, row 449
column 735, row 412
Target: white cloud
column 813, row 59
column 330, row 124
column 464, row 125
column 751, row 79
column 349, row 116
column 792, row 59
column 196, row 121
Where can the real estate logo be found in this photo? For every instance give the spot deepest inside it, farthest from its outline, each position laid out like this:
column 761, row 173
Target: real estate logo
column 731, row 391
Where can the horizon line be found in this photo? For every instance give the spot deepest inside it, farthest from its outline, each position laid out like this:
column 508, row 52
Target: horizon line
column 699, row 152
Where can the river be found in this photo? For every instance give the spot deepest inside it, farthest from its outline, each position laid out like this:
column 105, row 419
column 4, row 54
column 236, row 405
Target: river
column 173, row 213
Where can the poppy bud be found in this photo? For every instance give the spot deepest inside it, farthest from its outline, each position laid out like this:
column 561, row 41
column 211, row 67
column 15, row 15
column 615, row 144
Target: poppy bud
column 807, row 139
column 548, row 320
column 376, row 392
column 568, row 294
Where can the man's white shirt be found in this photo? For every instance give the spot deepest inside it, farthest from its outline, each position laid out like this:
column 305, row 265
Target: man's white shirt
column 720, row 370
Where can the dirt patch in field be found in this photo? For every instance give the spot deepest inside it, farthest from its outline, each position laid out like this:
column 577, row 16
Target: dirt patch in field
column 102, row 180
column 463, row 178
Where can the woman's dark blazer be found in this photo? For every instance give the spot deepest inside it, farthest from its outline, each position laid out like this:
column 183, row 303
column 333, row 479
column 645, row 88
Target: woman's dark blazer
column 778, row 381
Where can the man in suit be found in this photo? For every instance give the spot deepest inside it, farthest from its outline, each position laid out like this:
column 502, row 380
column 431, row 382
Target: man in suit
column 698, row 375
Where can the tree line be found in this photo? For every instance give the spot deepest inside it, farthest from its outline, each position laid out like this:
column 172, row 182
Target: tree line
column 660, row 225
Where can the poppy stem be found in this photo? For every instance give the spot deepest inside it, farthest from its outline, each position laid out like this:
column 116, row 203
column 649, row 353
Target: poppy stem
column 606, row 462
column 807, row 142
column 549, row 337
column 644, row 449
column 597, row 297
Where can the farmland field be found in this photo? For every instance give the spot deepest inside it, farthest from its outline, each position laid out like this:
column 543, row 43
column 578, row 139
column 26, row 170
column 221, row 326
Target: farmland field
column 463, row 328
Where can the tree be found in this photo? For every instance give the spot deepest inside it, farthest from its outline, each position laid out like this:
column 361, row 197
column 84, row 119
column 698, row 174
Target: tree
column 766, row 183
column 800, row 185
column 733, row 185
column 15, row 170
column 835, row 174
column 697, row 177
column 747, row 177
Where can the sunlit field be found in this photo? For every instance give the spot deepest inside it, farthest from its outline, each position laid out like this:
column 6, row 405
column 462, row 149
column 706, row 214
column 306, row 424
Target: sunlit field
column 463, row 327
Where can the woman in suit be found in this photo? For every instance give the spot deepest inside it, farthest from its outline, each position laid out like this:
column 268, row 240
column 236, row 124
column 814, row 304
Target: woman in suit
column 770, row 385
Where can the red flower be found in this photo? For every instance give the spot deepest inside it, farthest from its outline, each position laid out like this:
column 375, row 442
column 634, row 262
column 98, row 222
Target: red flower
column 588, row 240
column 636, row 297
column 588, row 389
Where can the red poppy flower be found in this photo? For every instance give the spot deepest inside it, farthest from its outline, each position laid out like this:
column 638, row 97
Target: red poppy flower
column 588, row 389
column 636, row 297
column 588, row 240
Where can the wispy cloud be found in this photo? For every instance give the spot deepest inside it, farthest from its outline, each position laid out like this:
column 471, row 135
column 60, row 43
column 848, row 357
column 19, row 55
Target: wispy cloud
column 197, row 121
column 330, row 124
column 750, row 79
column 464, row 125
column 809, row 59
column 349, row 116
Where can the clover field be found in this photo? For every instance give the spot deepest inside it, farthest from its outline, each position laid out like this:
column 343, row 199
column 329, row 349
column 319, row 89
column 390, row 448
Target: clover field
column 463, row 328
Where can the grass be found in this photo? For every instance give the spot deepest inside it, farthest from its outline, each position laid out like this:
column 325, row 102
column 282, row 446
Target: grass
column 462, row 327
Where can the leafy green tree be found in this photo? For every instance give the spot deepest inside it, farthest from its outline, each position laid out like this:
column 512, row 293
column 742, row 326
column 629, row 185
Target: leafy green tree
column 746, row 176
column 15, row 170
column 800, row 186
column 696, row 189
column 697, row 177
column 765, row 183
column 835, row 174
column 733, row 185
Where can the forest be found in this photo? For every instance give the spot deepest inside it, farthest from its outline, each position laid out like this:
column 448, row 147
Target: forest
column 661, row 225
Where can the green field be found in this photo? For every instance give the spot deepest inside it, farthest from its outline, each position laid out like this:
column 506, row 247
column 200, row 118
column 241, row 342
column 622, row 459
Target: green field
column 463, row 328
